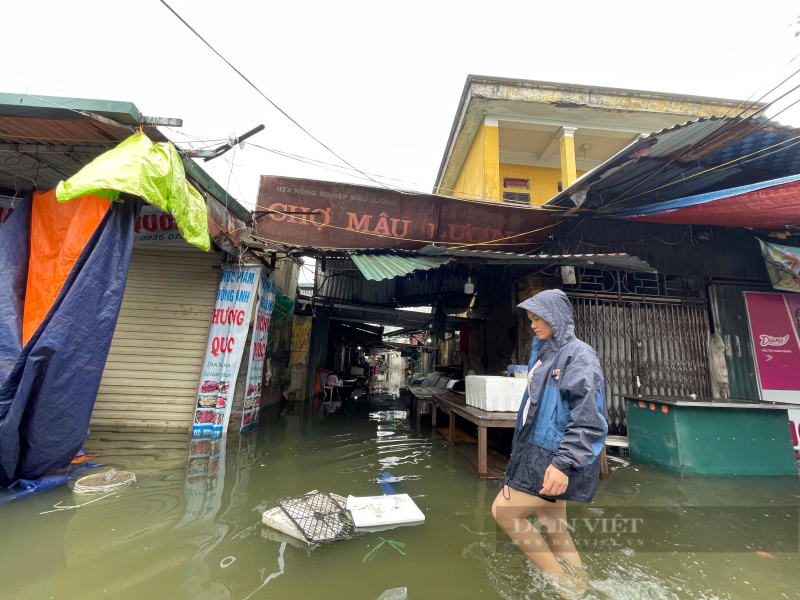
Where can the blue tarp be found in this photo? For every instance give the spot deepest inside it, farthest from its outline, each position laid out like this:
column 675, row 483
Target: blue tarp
column 14, row 251
column 678, row 203
column 47, row 398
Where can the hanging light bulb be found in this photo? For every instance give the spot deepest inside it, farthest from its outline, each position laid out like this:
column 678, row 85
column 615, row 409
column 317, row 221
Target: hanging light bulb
column 469, row 287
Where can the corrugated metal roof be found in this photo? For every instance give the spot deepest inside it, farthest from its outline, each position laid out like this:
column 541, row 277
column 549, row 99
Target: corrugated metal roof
column 386, row 266
column 342, row 281
column 46, row 139
column 618, row 260
column 688, row 159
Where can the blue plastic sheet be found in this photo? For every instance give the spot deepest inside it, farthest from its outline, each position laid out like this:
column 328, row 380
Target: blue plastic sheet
column 678, row 203
column 14, row 250
column 48, row 397
column 25, row 487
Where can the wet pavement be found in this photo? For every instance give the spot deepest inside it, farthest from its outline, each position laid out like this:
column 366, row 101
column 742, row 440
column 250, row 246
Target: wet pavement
column 192, row 529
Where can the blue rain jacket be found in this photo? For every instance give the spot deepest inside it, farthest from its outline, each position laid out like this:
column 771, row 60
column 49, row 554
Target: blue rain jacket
column 566, row 423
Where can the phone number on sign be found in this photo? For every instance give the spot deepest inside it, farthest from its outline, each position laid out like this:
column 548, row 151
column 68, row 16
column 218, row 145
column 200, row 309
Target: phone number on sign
column 160, row 237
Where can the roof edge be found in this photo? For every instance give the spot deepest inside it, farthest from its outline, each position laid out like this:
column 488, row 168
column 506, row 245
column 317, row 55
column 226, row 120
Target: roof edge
column 29, row 105
column 463, row 104
column 553, row 85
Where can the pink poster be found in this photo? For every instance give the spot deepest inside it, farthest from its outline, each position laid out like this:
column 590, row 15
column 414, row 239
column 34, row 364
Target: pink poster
column 775, row 330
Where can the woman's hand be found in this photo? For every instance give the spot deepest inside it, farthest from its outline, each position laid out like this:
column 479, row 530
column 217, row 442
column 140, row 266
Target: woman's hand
column 555, row 482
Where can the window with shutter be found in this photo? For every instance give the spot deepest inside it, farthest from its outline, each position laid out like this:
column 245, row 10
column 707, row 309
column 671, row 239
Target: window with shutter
column 516, row 198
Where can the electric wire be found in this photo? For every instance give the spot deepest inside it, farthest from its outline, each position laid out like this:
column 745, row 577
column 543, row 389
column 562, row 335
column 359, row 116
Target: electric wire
column 717, row 133
column 262, row 94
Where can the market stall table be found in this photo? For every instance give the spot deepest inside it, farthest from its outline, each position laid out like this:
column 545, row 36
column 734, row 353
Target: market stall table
column 421, row 398
column 457, row 405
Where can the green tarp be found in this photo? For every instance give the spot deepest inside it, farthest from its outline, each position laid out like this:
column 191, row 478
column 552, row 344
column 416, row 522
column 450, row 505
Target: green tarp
column 153, row 172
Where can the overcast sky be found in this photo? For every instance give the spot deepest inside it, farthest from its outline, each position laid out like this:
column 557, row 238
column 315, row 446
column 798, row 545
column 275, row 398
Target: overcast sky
column 377, row 82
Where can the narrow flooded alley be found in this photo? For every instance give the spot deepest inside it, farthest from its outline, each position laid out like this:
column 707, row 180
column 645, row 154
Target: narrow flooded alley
column 196, row 532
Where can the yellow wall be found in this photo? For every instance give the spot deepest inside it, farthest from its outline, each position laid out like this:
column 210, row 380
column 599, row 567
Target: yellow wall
column 480, row 173
column 470, row 181
column 543, row 181
column 491, row 152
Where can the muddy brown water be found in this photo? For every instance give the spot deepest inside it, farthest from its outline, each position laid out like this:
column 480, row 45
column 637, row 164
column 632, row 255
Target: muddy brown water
column 195, row 532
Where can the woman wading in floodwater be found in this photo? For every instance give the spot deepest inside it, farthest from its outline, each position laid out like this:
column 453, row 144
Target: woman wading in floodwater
column 561, row 429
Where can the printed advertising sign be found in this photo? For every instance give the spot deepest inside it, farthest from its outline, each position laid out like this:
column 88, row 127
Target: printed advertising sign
column 226, row 340
column 153, row 227
column 258, row 350
column 775, row 330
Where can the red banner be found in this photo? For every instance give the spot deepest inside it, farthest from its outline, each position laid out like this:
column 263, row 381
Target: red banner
column 302, row 212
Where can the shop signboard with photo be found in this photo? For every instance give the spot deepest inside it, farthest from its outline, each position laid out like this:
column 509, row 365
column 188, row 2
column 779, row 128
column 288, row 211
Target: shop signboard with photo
column 226, row 340
column 258, row 350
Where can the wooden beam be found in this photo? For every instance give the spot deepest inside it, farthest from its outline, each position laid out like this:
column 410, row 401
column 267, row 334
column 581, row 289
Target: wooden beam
column 550, row 147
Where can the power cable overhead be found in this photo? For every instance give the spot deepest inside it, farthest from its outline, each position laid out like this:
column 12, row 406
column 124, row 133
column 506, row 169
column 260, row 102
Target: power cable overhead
column 263, row 95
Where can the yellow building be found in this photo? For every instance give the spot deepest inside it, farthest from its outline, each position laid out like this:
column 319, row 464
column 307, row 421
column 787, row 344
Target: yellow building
column 523, row 141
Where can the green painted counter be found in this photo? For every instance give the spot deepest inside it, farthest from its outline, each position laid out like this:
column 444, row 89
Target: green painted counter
column 709, row 437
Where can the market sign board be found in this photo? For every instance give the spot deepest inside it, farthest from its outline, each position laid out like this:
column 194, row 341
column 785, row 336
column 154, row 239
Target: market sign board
column 775, row 333
column 227, row 335
column 323, row 214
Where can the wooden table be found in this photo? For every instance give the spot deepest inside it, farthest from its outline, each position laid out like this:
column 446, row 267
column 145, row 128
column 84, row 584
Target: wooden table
column 421, row 396
column 457, row 405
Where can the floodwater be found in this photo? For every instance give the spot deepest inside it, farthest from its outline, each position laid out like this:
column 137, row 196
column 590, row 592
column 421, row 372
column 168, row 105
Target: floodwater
column 196, row 533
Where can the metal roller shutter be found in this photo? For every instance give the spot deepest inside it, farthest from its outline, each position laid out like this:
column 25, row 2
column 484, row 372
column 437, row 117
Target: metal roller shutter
column 150, row 378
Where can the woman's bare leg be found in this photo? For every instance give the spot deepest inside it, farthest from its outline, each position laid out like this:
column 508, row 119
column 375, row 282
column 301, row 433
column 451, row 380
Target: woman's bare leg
column 510, row 509
column 553, row 518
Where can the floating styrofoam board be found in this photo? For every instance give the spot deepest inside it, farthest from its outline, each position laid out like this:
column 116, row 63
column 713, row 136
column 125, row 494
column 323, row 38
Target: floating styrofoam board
column 380, row 511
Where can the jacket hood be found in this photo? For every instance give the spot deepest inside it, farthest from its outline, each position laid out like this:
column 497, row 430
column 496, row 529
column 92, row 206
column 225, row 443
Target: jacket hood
column 554, row 307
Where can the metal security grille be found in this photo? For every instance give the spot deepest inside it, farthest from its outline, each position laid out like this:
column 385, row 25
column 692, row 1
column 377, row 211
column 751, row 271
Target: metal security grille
column 647, row 345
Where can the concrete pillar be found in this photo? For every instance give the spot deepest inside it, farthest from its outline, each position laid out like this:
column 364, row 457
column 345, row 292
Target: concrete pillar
column 491, row 160
column 567, row 147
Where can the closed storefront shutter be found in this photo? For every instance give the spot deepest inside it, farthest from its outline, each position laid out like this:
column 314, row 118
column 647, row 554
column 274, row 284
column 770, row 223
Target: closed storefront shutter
column 150, row 378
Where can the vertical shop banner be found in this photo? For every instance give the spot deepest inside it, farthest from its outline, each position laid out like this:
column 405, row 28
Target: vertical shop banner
column 258, row 351
column 775, row 331
column 226, row 340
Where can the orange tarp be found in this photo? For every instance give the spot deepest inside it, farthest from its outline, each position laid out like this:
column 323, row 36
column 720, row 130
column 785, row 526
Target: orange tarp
column 59, row 233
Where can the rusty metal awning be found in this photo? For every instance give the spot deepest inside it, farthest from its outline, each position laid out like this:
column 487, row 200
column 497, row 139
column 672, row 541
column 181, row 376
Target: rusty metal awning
column 386, row 266
column 617, row 260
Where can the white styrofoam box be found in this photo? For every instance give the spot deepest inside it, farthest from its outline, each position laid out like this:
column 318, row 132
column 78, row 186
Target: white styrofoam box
column 493, row 393
column 377, row 511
